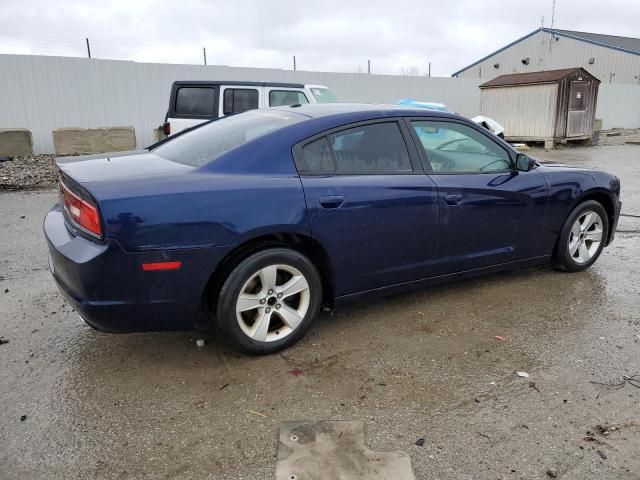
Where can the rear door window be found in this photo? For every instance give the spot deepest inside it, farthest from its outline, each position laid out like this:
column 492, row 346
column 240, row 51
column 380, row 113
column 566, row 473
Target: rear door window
column 278, row 98
column 238, row 100
column 373, row 149
column 196, row 101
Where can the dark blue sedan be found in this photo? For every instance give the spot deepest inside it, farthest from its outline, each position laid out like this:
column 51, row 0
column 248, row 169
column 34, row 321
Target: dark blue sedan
column 253, row 222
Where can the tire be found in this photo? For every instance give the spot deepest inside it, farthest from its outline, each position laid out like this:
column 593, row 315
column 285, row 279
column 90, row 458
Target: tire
column 577, row 249
column 257, row 313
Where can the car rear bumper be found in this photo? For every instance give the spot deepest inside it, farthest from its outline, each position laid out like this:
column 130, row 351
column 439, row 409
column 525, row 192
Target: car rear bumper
column 108, row 288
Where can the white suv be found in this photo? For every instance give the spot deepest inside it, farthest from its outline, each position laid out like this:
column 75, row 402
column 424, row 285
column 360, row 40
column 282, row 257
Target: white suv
column 192, row 103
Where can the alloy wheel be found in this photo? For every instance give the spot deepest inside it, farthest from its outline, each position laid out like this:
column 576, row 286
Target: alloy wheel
column 585, row 237
column 273, row 303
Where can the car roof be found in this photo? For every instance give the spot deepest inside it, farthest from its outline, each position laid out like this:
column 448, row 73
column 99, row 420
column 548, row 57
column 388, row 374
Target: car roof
column 317, row 110
column 236, row 82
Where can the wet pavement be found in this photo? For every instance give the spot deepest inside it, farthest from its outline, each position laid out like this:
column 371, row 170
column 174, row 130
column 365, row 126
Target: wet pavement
column 75, row 403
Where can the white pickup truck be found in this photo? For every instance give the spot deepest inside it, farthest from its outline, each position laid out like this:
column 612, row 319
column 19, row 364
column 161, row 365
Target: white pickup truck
column 195, row 102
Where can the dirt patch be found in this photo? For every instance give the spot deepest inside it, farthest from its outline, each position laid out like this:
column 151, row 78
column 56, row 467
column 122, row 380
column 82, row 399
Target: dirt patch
column 28, row 173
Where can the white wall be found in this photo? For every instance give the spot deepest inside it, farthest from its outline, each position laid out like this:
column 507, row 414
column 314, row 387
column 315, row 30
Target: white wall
column 42, row 93
column 548, row 54
column 619, row 106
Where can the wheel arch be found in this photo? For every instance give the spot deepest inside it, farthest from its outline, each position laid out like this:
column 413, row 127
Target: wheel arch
column 301, row 243
column 603, row 198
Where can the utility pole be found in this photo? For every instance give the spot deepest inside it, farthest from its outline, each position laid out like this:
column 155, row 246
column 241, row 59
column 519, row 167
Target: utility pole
column 294, row 63
column 88, row 48
column 204, row 54
column 368, row 66
column 429, row 69
column 553, row 14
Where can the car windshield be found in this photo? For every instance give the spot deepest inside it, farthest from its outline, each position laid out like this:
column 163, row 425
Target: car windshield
column 323, row 95
column 210, row 141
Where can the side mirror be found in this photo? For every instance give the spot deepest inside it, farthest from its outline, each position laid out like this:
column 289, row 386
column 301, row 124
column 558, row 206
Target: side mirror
column 524, row 163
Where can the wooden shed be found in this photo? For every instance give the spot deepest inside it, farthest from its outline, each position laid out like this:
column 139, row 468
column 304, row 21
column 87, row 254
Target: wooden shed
column 554, row 106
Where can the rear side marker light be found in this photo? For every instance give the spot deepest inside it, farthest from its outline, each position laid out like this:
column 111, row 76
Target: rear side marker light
column 150, row 267
column 166, row 128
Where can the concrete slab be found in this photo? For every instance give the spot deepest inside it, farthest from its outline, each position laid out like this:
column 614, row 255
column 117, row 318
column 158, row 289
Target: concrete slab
column 324, row 450
column 15, row 142
column 86, row 141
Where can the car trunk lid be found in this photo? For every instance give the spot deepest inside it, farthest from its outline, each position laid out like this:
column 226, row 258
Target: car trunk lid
column 113, row 166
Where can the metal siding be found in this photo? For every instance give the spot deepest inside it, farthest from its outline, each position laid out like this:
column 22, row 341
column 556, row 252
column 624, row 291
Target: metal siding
column 43, row 93
column 565, row 53
column 619, row 106
column 524, row 111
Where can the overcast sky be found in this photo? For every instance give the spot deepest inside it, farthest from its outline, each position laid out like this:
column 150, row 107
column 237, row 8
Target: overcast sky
column 396, row 35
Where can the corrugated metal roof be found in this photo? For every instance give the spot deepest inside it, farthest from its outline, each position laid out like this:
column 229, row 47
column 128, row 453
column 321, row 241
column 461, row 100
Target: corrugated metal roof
column 547, row 76
column 625, row 43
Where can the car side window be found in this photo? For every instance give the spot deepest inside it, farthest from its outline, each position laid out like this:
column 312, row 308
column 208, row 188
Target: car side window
column 278, row 98
column 195, row 101
column 318, row 157
column 377, row 148
column 238, row 100
column 456, row 148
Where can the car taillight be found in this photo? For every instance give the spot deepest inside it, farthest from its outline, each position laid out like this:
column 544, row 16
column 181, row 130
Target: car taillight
column 81, row 212
column 166, row 128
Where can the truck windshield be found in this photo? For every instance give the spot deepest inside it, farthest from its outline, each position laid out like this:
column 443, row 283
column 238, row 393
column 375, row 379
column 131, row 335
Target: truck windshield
column 210, row 141
column 323, row 95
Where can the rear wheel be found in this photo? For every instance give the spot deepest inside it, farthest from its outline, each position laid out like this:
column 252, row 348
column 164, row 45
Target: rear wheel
column 582, row 238
column 268, row 301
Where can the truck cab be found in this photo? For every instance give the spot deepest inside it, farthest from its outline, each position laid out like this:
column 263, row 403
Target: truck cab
column 194, row 102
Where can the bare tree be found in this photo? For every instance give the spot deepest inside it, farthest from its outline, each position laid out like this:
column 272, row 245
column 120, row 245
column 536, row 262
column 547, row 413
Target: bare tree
column 411, row 71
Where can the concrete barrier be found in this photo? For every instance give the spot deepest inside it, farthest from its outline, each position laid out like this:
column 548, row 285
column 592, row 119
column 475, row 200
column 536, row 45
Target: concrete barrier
column 83, row 141
column 15, row 142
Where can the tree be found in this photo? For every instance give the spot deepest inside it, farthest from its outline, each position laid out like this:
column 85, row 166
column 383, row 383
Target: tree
column 410, row 71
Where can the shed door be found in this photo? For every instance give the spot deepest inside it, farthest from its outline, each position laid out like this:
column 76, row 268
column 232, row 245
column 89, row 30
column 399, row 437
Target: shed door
column 577, row 115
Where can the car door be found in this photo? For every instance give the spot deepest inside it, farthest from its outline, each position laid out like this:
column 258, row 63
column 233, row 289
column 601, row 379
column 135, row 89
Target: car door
column 490, row 213
column 370, row 204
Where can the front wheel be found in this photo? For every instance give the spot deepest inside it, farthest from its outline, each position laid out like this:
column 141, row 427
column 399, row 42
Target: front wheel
column 582, row 238
column 268, row 301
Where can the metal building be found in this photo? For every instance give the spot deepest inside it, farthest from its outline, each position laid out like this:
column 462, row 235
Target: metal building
column 609, row 58
column 553, row 106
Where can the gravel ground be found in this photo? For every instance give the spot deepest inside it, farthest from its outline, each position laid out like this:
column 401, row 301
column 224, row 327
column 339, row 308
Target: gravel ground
column 431, row 373
column 28, row 173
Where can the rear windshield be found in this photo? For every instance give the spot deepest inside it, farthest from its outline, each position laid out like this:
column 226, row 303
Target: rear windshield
column 208, row 142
